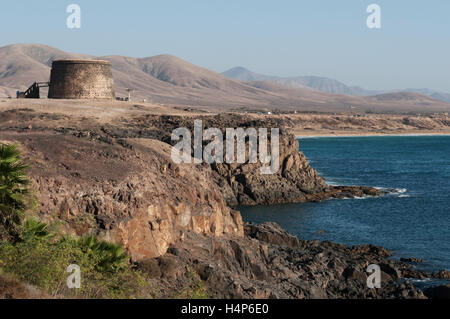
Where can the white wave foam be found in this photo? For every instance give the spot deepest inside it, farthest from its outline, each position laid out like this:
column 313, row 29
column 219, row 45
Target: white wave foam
column 419, row 280
column 392, row 190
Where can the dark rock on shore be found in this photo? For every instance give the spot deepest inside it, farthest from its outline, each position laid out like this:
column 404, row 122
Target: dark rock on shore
column 443, row 274
column 269, row 263
column 271, row 233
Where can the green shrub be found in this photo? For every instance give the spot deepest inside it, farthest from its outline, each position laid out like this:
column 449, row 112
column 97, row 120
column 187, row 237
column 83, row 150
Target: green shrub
column 31, row 253
column 33, row 229
column 109, row 257
column 43, row 262
column 14, row 191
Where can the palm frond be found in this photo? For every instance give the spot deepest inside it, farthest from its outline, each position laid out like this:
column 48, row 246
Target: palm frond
column 14, row 189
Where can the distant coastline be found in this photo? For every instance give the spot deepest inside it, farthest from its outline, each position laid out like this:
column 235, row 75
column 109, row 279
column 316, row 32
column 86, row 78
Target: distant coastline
column 367, row 134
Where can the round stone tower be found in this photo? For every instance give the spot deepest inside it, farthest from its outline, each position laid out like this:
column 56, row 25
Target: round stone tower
column 81, row 79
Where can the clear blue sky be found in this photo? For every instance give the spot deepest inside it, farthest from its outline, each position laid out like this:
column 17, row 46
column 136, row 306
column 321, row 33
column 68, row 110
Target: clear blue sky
column 285, row 37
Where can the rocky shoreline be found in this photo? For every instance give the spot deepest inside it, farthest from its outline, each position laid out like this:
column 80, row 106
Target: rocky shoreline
column 268, row 262
column 116, row 180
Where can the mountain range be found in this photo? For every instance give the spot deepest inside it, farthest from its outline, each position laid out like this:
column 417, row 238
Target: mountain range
column 166, row 79
column 324, row 84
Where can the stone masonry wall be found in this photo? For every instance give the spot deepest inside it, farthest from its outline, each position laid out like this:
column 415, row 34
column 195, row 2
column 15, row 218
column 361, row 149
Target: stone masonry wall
column 81, row 79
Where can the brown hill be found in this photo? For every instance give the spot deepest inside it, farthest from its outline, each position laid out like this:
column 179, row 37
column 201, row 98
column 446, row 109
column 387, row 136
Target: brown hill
column 169, row 80
column 22, row 64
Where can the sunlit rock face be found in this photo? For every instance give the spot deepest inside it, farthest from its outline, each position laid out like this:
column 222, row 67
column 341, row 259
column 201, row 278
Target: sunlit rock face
column 134, row 195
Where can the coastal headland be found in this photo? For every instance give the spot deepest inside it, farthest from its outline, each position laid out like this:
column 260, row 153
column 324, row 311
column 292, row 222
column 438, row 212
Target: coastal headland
column 104, row 168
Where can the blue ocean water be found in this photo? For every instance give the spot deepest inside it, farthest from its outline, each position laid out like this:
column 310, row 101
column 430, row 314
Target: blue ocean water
column 413, row 222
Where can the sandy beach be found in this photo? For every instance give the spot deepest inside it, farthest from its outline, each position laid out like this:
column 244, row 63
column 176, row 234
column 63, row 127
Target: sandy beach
column 367, row 134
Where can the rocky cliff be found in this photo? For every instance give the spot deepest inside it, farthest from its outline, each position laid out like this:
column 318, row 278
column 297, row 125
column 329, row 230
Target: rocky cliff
column 133, row 195
column 295, row 181
column 116, row 179
column 243, row 184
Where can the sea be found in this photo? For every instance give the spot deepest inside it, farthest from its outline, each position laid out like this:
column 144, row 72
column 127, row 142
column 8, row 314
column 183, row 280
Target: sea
column 412, row 221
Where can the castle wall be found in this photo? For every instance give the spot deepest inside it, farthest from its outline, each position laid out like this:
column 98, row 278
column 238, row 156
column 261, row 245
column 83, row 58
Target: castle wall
column 81, row 79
